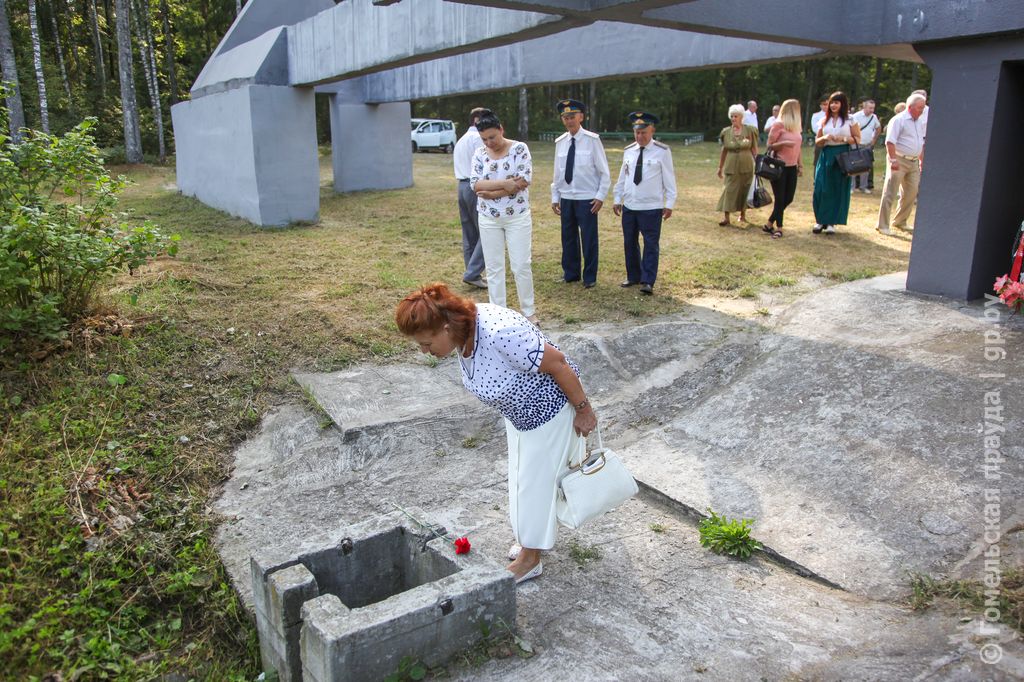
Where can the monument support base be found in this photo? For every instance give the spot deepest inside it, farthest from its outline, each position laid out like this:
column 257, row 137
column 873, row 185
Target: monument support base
column 370, row 145
column 971, row 201
column 251, row 151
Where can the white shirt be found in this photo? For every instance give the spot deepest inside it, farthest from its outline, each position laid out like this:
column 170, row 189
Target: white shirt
column 750, row 118
column 517, row 163
column 462, row 157
column 924, row 117
column 657, row 188
column 869, row 126
column 504, row 369
column 816, row 119
column 768, row 124
column 590, row 175
column 906, row 134
column 832, row 126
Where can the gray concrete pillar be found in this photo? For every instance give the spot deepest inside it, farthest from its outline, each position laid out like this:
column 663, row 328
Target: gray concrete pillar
column 251, row 151
column 370, row 145
column 971, row 201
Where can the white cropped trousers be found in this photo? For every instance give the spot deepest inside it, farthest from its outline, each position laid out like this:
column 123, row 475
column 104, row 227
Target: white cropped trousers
column 536, row 460
column 517, row 233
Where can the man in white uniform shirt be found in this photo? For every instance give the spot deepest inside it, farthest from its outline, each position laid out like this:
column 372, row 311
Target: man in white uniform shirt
column 578, row 190
column 644, row 196
column 750, row 115
column 869, row 127
column 904, row 147
column 462, row 158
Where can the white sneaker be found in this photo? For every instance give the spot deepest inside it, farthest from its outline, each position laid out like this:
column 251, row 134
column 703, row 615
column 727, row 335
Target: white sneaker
column 887, row 232
column 817, row 228
column 829, row 229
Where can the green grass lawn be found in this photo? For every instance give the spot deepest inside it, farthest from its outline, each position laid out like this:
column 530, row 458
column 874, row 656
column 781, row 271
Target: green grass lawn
column 112, row 444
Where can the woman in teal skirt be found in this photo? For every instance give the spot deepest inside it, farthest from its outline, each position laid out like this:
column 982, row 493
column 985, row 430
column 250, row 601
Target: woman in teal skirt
column 836, row 133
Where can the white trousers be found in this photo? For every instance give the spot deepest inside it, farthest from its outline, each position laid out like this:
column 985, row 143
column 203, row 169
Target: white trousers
column 536, row 460
column 517, row 233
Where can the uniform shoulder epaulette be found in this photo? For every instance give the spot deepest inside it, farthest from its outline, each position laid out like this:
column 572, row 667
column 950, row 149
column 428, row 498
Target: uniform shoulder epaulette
column 660, row 144
column 590, row 133
column 630, row 146
column 562, row 136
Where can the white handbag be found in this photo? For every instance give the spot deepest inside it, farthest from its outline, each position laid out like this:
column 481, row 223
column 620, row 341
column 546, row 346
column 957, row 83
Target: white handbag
column 600, row 483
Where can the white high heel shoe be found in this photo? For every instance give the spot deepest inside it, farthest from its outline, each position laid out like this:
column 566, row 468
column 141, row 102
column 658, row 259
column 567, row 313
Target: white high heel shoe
column 514, row 551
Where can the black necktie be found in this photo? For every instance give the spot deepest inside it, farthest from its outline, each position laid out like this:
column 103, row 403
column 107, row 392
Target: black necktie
column 638, row 172
column 570, row 161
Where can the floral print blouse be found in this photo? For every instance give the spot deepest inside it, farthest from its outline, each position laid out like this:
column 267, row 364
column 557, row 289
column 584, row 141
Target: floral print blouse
column 516, row 163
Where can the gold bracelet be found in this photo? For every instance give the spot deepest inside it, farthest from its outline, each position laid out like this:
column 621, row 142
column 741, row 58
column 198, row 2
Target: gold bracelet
column 583, row 404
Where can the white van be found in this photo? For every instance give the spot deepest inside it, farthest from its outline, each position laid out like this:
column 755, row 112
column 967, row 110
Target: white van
column 432, row 133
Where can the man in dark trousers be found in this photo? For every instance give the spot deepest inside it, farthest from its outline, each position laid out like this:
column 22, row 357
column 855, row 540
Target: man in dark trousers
column 462, row 158
column 578, row 190
column 644, row 196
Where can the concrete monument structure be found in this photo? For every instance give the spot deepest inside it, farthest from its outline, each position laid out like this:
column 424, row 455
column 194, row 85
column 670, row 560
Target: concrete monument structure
column 247, row 142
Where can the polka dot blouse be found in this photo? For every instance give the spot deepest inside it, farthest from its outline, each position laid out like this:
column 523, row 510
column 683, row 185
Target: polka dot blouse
column 504, row 370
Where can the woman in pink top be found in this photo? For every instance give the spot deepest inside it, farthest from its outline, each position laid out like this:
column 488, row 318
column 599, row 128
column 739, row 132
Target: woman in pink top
column 784, row 141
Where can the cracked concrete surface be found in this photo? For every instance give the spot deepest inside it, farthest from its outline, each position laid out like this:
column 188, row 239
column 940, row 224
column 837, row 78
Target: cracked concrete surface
column 850, row 428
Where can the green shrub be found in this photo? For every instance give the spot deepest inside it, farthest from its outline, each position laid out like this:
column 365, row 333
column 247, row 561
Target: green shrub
column 61, row 235
column 728, row 536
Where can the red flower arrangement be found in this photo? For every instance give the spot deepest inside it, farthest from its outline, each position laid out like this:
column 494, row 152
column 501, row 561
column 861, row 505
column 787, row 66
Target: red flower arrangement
column 1011, row 292
column 462, row 545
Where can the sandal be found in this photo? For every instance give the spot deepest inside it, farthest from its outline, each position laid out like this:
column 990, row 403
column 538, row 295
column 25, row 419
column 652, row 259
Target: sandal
column 725, row 223
column 777, row 234
column 768, row 228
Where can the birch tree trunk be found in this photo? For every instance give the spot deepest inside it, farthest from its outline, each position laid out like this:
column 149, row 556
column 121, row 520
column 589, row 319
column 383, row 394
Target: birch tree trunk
column 60, row 59
column 172, row 78
column 37, row 60
column 16, row 114
column 146, row 50
column 238, row 7
column 129, row 104
column 101, row 65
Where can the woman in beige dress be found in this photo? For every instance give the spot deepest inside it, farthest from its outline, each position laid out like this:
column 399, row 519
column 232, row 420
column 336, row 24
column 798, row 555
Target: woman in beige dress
column 736, row 165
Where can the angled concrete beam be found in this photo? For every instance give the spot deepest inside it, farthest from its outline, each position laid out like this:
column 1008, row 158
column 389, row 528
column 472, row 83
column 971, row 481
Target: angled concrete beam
column 603, row 50
column 867, row 24
column 356, row 37
column 256, row 18
column 260, row 61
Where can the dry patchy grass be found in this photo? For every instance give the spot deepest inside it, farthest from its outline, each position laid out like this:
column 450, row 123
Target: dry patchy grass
column 330, row 288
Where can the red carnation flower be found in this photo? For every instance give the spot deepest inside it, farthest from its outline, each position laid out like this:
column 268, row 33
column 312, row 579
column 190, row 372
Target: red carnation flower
column 462, row 546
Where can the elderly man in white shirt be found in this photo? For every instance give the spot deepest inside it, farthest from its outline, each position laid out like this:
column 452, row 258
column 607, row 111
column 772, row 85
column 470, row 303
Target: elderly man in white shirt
column 772, row 119
column 816, row 119
column 462, row 158
column 869, row 127
column 904, row 146
column 644, row 196
column 750, row 115
column 578, row 190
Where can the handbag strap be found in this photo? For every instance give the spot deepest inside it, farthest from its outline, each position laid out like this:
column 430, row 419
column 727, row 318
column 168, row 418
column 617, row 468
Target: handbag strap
column 586, row 448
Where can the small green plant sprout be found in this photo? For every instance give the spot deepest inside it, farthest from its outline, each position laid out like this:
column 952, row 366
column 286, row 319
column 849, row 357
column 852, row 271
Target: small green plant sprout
column 658, row 527
column 583, row 554
column 408, row 669
column 728, row 536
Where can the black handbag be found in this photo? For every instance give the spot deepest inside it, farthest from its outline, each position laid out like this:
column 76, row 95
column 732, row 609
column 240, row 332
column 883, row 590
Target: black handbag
column 761, row 195
column 856, row 161
column 768, row 167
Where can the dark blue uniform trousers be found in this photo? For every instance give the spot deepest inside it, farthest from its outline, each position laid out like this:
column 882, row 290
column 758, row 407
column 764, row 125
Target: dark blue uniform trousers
column 648, row 224
column 579, row 228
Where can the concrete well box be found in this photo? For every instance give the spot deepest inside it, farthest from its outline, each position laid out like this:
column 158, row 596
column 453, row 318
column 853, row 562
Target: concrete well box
column 390, row 589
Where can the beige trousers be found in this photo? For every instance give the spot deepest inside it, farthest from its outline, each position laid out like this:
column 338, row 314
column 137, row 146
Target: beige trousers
column 907, row 178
